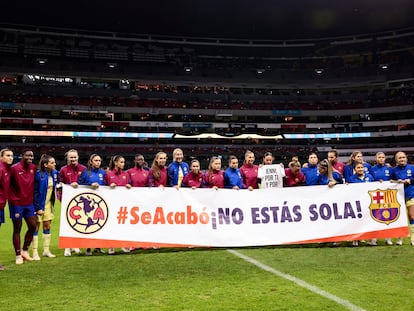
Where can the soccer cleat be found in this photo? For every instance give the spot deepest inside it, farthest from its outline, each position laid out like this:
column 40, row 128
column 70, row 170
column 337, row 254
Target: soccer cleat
column 99, row 250
column 399, row 241
column 26, row 256
column 388, row 241
column 36, row 256
column 2, row 267
column 125, row 250
column 88, row 252
column 19, row 260
column 354, row 243
column 76, row 250
column 48, row 254
column 372, row 242
column 111, row 251
column 67, row 252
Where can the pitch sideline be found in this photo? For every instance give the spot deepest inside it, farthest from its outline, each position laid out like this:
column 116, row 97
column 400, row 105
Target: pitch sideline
column 312, row 288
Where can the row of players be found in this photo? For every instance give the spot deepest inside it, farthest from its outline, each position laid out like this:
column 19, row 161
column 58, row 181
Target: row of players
column 25, row 179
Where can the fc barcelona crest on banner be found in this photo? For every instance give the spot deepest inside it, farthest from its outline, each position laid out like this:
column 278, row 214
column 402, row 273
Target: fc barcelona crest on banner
column 384, row 205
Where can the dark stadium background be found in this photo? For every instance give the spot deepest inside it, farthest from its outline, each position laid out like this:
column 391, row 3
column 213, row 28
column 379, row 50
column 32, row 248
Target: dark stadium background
column 310, row 67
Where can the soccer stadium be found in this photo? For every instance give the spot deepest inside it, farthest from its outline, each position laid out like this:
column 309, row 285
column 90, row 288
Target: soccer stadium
column 215, row 80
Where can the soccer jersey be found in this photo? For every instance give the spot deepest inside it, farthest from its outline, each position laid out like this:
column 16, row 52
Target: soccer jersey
column 311, row 172
column 214, row 179
column 22, row 179
column 174, row 176
column 381, row 172
column 405, row 172
column 161, row 182
column 292, row 180
column 232, row 178
column 138, row 176
column 349, row 170
column 249, row 175
column 70, row 173
column 117, row 177
column 43, row 188
column 193, row 180
column 359, row 179
column 4, row 184
column 95, row 175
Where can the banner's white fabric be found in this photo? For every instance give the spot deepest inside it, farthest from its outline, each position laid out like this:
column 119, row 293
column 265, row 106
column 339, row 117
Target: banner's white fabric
column 226, row 217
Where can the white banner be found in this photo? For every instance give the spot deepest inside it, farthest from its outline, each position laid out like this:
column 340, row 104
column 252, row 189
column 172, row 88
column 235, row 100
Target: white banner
column 144, row 217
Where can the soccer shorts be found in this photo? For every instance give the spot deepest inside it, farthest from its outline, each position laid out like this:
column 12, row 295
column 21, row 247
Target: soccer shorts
column 20, row 212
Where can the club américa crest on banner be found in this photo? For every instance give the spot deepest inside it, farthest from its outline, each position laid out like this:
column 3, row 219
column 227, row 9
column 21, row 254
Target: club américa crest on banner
column 384, row 206
column 87, row 213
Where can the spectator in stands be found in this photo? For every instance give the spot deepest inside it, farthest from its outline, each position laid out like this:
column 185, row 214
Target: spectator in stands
column 138, row 175
column 21, row 204
column 403, row 173
column 6, row 160
column 249, row 171
column 381, row 171
column 93, row 176
column 355, row 158
column 194, row 178
column 310, row 169
column 46, row 180
column 333, row 159
column 232, row 175
column 157, row 176
column 69, row 175
column 177, row 169
column 214, row 177
column 293, row 175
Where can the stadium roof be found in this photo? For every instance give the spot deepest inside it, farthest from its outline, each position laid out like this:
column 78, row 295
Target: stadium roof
column 259, row 19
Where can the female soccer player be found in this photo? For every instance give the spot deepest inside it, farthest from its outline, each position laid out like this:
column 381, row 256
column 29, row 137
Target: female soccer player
column 158, row 171
column 46, row 180
column 232, row 176
column 194, row 178
column 248, row 171
column 114, row 177
column 93, row 176
column 177, row 169
column 403, row 173
column 6, row 160
column 138, row 174
column 21, row 204
column 214, row 177
column 69, row 175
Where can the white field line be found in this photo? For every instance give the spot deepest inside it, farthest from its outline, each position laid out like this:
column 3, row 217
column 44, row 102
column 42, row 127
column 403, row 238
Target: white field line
column 299, row 282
